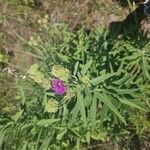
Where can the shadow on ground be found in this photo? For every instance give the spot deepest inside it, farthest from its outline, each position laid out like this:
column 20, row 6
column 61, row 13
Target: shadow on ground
column 131, row 25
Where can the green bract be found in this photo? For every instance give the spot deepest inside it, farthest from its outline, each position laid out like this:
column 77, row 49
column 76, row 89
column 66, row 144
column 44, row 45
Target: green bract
column 60, row 72
column 46, row 83
column 38, row 76
column 35, row 74
column 51, row 106
column 70, row 93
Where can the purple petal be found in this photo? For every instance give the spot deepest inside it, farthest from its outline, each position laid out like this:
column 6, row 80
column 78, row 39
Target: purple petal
column 59, row 86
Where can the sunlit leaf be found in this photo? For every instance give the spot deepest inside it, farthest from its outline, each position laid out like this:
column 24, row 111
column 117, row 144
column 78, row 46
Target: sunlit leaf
column 107, row 101
column 86, row 67
column 102, row 78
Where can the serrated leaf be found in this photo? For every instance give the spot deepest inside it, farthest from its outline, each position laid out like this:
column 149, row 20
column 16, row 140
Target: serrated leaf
column 123, row 79
column 88, row 137
column 107, row 101
column 145, row 67
column 86, row 67
column 131, row 103
column 60, row 135
column 102, row 78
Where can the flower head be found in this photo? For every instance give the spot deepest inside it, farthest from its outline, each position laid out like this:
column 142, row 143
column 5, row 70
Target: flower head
column 60, row 72
column 35, row 73
column 46, row 84
column 59, row 86
column 51, row 106
column 38, row 76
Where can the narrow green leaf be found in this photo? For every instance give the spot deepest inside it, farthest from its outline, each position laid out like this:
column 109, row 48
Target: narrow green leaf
column 86, row 67
column 38, row 139
column 81, row 106
column 46, row 141
column 123, row 79
column 119, row 71
column 88, row 98
column 93, row 110
column 131, row 103
column 44, row 102
column 79, row 76
column 75, row 112
column 88, row 137
column 107, row 101
column 45, row 122
column 74, row 132
column 103, row 113
column 102, row 78
column 3, row 133
column 78, row 144
column 126, row 91
column 76, row 68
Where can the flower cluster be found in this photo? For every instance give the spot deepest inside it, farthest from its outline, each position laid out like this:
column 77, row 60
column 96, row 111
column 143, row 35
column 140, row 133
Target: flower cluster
column 38, row 76
column 58, row 84
column 51, row 106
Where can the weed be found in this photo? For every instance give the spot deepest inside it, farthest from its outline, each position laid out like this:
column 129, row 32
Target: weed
column 106, row 78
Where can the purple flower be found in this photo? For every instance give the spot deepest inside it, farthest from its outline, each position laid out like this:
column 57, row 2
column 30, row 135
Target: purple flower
column 59, row 86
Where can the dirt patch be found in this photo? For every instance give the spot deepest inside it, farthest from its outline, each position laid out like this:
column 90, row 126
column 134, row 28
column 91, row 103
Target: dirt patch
column 85, row 13
column 18, row 20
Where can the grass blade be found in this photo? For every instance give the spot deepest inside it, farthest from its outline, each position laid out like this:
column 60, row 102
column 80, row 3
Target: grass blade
column 101, row 78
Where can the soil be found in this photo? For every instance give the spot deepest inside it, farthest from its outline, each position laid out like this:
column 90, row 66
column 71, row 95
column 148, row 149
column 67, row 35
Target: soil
column 19, row 20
